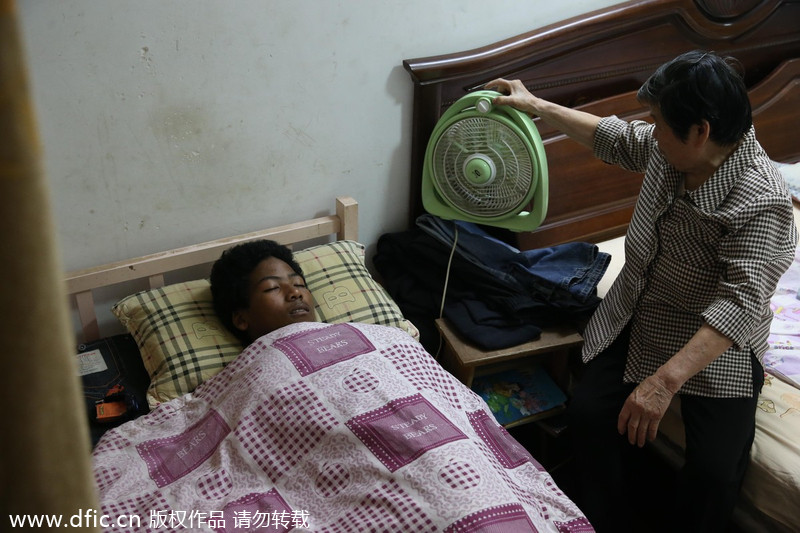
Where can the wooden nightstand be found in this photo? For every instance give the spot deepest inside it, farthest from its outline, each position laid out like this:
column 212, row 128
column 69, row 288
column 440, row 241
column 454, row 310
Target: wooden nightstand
column 465, row 360
column 552, row 349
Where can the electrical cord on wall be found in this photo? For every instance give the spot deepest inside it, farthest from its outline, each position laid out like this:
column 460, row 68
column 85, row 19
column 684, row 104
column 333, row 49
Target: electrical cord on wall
column 446, row 281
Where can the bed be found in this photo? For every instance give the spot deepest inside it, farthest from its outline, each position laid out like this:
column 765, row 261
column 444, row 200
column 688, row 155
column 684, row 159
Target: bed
column 336, row 425
column 596, row 62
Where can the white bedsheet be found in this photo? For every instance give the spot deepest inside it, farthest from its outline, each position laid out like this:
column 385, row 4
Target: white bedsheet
column 772, row 482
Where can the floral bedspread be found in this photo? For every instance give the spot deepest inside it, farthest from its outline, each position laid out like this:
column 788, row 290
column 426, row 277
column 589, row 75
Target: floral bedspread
column 783, row 357
column 330, row 428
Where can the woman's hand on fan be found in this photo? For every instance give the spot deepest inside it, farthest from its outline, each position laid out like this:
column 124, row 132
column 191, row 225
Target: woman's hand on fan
column 514, row 94
column 578, row 125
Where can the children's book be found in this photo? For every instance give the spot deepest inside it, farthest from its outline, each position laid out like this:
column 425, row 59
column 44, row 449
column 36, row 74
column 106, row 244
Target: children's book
column 519, row 395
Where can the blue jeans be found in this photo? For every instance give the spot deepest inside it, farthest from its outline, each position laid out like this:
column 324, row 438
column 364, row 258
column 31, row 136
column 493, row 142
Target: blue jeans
column 565, row 275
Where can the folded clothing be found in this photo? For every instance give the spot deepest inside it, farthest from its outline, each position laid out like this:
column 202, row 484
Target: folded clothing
column 496, row 295
column 486, row 328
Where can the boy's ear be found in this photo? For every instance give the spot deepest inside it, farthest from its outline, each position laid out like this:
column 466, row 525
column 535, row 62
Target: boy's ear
column 239, row 319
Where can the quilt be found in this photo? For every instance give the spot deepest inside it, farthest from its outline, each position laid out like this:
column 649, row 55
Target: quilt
column 782, row 359
column 329, row 428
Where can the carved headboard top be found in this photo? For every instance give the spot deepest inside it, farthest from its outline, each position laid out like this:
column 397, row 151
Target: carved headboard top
column 597, row 62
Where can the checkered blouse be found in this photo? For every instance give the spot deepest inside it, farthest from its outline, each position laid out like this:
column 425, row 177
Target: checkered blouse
column 711, row 255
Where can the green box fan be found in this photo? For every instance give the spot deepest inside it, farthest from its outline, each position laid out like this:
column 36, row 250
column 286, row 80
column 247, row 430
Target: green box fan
column 486, row 164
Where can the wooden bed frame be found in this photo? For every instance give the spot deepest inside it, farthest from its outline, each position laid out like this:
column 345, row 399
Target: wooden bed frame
column 82, row 284
column 597, row 62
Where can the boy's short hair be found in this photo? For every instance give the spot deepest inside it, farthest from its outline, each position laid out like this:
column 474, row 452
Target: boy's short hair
column 230, row 277
column 697, row 86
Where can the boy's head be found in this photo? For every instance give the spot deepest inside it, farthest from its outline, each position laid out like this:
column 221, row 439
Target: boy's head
column 257, row 288
column 700, row 86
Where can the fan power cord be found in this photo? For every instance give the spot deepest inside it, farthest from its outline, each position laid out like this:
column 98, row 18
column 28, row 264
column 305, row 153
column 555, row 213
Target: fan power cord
column 446, row 281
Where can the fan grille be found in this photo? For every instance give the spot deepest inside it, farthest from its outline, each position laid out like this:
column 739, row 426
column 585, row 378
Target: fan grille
column 504, row 152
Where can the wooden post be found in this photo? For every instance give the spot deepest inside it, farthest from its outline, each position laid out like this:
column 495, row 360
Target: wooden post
column 45, row 466
column 347, row 211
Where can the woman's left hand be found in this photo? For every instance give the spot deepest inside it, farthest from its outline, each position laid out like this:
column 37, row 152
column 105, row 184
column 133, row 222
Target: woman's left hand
column 643, row 410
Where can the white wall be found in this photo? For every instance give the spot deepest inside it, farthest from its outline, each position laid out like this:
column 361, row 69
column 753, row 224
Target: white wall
column 166, row 123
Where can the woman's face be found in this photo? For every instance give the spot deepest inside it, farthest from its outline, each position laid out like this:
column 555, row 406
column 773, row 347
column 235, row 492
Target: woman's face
column 278, row 296
column 674, row 149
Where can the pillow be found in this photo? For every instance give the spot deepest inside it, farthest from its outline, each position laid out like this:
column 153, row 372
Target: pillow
column 182, row 342
column 344, row 290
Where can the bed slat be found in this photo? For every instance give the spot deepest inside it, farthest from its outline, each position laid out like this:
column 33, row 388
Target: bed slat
column 156, row 282
column 85, row 303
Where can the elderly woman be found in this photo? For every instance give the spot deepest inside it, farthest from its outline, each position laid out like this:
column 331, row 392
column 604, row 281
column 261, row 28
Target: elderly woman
column 711, row 234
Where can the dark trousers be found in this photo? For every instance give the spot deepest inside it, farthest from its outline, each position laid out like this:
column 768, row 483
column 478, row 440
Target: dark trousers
column 613, row 482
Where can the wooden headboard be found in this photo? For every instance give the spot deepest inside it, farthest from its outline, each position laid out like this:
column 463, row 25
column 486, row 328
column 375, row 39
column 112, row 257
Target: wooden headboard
column 597, row 62
column 152, row 268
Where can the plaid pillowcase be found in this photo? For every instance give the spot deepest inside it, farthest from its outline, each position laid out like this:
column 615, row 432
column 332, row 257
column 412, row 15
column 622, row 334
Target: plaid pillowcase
column 344, row 290
column 183, row 343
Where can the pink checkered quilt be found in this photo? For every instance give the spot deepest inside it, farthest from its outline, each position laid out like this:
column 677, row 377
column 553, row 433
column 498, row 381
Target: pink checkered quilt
column 330, row 428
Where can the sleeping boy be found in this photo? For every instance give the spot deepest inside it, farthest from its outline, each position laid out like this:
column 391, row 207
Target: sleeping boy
column 327, row 434
column 257, row 288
